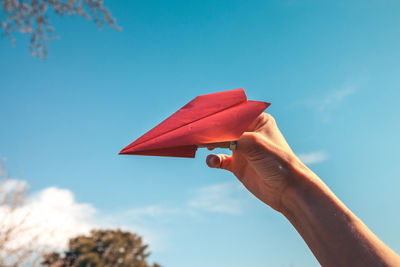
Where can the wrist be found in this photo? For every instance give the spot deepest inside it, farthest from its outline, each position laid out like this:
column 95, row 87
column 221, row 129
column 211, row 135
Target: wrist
column 302, row 185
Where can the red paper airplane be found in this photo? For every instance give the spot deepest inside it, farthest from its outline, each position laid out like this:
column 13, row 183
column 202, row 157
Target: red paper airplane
column 212, row 118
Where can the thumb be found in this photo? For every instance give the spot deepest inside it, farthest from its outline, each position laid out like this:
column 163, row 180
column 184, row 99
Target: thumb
column 219, row 161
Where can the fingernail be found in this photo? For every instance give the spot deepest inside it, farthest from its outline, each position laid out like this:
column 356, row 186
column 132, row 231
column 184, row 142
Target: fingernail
column 213, row 161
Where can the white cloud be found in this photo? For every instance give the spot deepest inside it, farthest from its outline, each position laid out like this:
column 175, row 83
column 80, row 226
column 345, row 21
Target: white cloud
column 56, row 209
column 218, row 198
column 52, row 216
column 313, row 157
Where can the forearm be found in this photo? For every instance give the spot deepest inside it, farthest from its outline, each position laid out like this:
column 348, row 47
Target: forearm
column 334, row 234
column 266, row 165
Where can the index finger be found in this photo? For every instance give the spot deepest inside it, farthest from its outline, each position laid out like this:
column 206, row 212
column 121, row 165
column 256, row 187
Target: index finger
column 211, row 146
column 252, row 127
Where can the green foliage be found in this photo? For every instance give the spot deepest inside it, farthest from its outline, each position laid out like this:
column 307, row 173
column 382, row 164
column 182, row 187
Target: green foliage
column 106, row 248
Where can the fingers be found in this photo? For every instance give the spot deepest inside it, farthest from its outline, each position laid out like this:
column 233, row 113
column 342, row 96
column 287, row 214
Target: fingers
column 262, row 119
column 219, row 161
column 253, row 145
column 211, row 146
column 259, row 121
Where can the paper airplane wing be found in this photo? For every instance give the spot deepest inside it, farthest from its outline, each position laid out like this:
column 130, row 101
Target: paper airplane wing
column 211, row 118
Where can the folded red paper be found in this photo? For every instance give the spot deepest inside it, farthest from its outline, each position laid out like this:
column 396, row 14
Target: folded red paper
column 211, row 118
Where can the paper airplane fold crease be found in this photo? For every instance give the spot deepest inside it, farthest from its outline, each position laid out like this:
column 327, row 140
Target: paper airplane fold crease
column 211, row 118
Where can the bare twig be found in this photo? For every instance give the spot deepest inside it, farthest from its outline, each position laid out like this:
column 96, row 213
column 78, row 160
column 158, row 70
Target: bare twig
column 13, row 225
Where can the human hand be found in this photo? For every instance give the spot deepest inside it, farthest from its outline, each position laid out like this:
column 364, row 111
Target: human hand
column 269, row 169
column 263, row 161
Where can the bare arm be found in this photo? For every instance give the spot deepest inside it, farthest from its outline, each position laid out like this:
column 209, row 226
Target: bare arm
column 268, row 168
column 332, row 232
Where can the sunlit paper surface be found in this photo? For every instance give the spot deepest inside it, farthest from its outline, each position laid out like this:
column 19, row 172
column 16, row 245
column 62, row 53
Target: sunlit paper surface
column 211, row 118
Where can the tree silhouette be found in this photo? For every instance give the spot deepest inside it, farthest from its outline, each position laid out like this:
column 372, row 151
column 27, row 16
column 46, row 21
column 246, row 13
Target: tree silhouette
column 32, row 17
column 108, row 248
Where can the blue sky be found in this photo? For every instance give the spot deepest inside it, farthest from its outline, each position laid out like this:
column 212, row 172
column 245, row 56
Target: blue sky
column 329, row 68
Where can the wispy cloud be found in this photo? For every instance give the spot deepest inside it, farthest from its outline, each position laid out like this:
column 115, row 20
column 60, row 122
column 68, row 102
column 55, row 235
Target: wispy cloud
column 325, row 103
column 224, row 198
column 218, row 198
column 334, row 98
column 313, row 157
column 153, row 210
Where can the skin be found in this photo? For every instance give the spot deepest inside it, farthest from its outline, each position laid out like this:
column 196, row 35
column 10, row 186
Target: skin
column 268, row 168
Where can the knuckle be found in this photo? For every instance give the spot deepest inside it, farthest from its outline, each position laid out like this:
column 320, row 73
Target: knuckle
column 269, row 118
column 250, row 142
column 250, row 137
